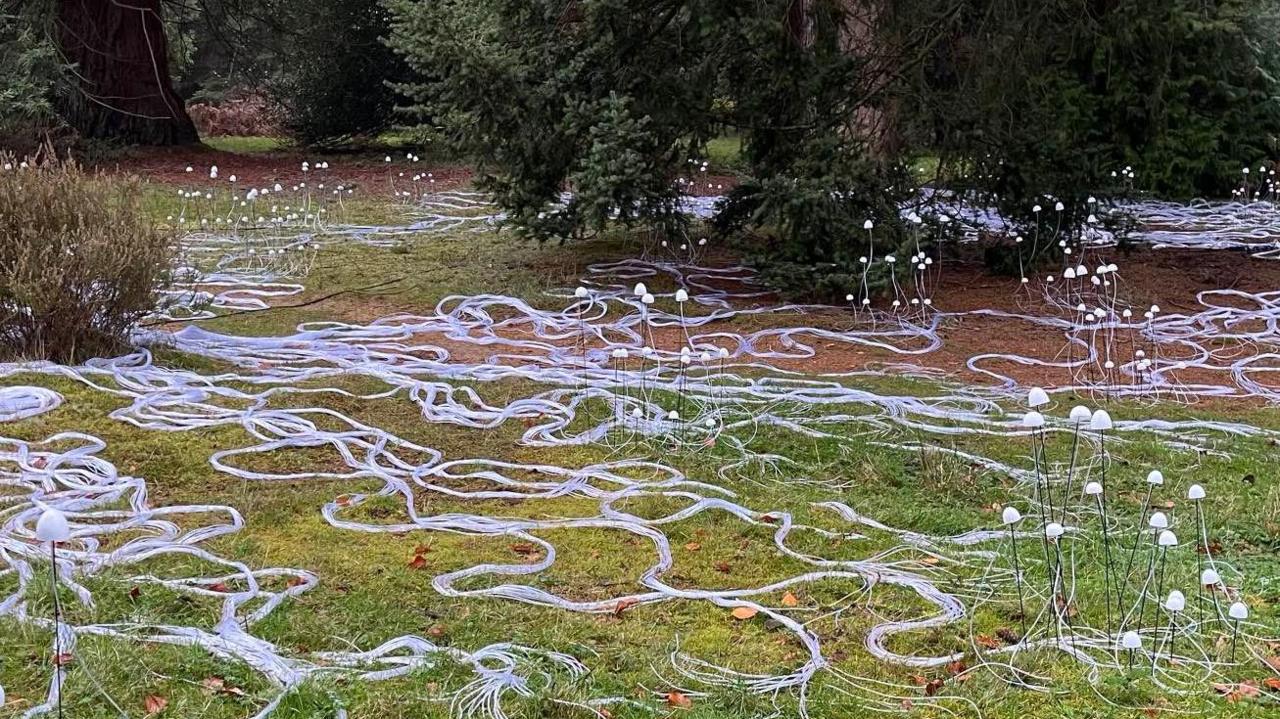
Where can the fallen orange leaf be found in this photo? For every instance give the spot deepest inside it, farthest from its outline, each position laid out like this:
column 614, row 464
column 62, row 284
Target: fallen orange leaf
column 789, row 600
column 155, row 704
column 744, row 612
column 676, row 699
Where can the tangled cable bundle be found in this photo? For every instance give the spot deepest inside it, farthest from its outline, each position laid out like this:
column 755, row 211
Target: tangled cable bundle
column 617, row 366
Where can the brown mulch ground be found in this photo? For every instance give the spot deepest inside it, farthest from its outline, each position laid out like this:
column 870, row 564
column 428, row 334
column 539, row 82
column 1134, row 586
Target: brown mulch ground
column 1168, row 277
column 367, row 171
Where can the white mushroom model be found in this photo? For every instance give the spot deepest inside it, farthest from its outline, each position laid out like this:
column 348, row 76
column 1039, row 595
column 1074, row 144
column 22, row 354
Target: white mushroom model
column 1037, row 397
column 1131, row 640
column 52, row 526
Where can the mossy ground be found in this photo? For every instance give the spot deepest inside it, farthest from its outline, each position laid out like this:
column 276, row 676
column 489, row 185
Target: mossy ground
column 368, row 591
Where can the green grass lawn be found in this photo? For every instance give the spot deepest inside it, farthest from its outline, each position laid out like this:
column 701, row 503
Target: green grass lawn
column 370, row 590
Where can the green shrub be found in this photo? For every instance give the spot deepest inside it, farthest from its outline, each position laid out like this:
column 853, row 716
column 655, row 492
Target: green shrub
column 332, row 72
column 30, row 70
column 80, row 263
column 1052, row 98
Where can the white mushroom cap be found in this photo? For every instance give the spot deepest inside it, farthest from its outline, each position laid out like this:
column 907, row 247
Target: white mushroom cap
column 1093, row 489
column 1210, row 577
column 52, row 526
column 640, row 289
column 1033, row 420
column 1176, row 602
column 682, row 296
column 1080, row 413
column 1238, row 610
column 1195, row 491
column 1131, row 640
column 1011, row 515
column 1158, row 520
column 1167, row 539
column 1100, row 421
column 1037, row 397
column 580, row 293
column 1155, row 476
column 1053, row 530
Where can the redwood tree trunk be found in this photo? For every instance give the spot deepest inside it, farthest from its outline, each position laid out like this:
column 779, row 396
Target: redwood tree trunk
column 122, row 73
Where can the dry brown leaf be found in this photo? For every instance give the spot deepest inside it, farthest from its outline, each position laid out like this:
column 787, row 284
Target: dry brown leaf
column 676, row 699
column 422, row 549
column 418, row 562
column 692, row 546
column 63, row 659
column 623, row 605
column 524, row 549
column 986, row 641
column 1008, row 636
column 789, row 600
column 435, row 631
column 1273, row 662
column 930, row 560
column 722, row 567
column 744, row 612
column 155, row 704
column 1271, row 683
column 218, row 587
column 296, row 582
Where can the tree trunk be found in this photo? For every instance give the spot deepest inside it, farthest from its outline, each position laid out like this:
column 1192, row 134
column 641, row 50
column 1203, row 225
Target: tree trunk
column 878, row 122
column 121, row 73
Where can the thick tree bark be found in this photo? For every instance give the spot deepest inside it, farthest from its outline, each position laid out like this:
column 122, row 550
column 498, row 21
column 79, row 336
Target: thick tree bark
column 122, row 73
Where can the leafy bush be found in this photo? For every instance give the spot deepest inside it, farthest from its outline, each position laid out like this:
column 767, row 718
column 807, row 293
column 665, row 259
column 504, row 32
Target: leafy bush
column 333, row 70
column 80, row 263
column 608, row 99
column 245, row 113
column 30, row 69
column 1053, row 96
